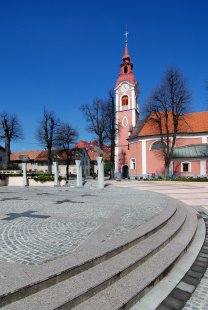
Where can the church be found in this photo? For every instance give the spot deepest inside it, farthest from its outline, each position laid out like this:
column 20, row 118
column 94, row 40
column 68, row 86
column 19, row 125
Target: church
column 138, row 142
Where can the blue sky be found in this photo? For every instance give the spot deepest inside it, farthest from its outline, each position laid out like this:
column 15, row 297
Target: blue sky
column 61, row 54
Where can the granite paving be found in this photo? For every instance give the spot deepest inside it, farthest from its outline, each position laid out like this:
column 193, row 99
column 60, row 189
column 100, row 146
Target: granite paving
column 41, row 224
column 193, row 194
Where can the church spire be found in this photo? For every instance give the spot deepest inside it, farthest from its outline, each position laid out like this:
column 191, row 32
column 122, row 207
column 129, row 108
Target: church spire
column 126, row 35
column 126, row 52
column 126, row 73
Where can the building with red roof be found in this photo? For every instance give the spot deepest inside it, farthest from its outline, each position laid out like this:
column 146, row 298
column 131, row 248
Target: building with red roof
column 38, row 160
column 86, row 151
column 92, row 149
column 138, row 151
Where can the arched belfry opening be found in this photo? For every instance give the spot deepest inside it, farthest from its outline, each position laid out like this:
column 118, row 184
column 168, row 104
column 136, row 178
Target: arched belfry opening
column 124, row 100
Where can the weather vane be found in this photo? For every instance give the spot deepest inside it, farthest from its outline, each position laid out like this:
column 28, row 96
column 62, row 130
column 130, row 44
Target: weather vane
column 126, row 35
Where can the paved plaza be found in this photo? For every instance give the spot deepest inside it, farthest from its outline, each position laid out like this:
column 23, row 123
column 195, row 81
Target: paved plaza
column 42, row 226
column 195, row 195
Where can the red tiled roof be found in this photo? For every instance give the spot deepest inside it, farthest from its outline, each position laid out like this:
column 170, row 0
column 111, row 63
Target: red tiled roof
column 31, row 154
column 196, row 122
column 86, row 145
column 93, row 154
column 76, row 152
column 82, row 143
column 43, row 156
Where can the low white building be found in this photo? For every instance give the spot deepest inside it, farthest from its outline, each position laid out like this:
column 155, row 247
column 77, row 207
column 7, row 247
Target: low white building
column 38, row 160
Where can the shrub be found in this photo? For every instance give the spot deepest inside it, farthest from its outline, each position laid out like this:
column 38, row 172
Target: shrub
column 3, row 176
column 72, row 176
column 191, row 179
column 43, row 178
column 179, row 179
column 107, row 167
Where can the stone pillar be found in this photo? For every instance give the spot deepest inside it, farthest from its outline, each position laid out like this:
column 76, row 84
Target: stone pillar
column 203, row 167
column 56, row 173
column 171, row 169
column 100, row 172
column 79, row 173
column 24, row 170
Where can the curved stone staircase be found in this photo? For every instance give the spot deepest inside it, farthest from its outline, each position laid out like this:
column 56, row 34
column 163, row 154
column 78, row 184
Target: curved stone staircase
column 116, row 273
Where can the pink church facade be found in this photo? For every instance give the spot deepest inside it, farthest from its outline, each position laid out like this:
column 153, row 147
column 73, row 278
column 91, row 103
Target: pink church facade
column 138, row 153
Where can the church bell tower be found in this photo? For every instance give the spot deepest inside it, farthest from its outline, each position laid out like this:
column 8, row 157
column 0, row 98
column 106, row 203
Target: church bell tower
column 127, row 113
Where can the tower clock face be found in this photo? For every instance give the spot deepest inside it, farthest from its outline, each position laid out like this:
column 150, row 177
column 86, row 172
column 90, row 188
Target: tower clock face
column 125, row 87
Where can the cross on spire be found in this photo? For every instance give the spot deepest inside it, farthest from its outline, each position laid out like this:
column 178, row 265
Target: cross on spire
column 126, row 35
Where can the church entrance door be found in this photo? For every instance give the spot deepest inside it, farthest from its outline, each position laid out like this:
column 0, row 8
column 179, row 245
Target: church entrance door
column 125, row 172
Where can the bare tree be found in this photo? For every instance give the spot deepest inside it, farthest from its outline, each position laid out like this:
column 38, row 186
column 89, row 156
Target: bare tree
column 46, row 133
column 65, row 137
column 100, row 117
column 111, row 130
column 10, row 129
column 95, row 115
column 165, row 108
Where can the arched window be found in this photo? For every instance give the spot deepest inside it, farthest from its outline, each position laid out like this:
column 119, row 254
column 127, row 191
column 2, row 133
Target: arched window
column 125, row 69
column 133, row 163
column 157, row 145
column 124, row 100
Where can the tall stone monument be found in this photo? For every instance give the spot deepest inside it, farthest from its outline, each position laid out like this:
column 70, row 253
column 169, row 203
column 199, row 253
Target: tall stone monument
column 56, row 173
column 55, row 158
column 24, row 160
column 79, row 172
column 100, row 184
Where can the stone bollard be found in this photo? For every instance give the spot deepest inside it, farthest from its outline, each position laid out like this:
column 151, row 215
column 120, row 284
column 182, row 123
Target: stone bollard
column 24, row 169
column 56, row 173
column 100, row 172
column 79, row 173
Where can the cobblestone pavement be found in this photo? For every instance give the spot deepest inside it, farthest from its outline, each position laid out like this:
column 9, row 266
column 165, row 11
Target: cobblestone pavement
column 34, row 241
column 196, row 195
column 39, row 224
column 199, row 299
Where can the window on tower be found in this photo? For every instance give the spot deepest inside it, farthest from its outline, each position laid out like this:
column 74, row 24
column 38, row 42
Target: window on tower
column 124, row 100
column 133, row 164
column 125, row 69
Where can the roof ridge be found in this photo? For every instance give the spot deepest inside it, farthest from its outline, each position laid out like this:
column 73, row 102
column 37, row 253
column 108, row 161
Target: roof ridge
column 196, row 112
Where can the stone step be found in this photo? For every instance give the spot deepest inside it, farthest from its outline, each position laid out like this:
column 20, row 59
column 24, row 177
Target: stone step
column 86, row 258
column 124, row 293
column 104, row 276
